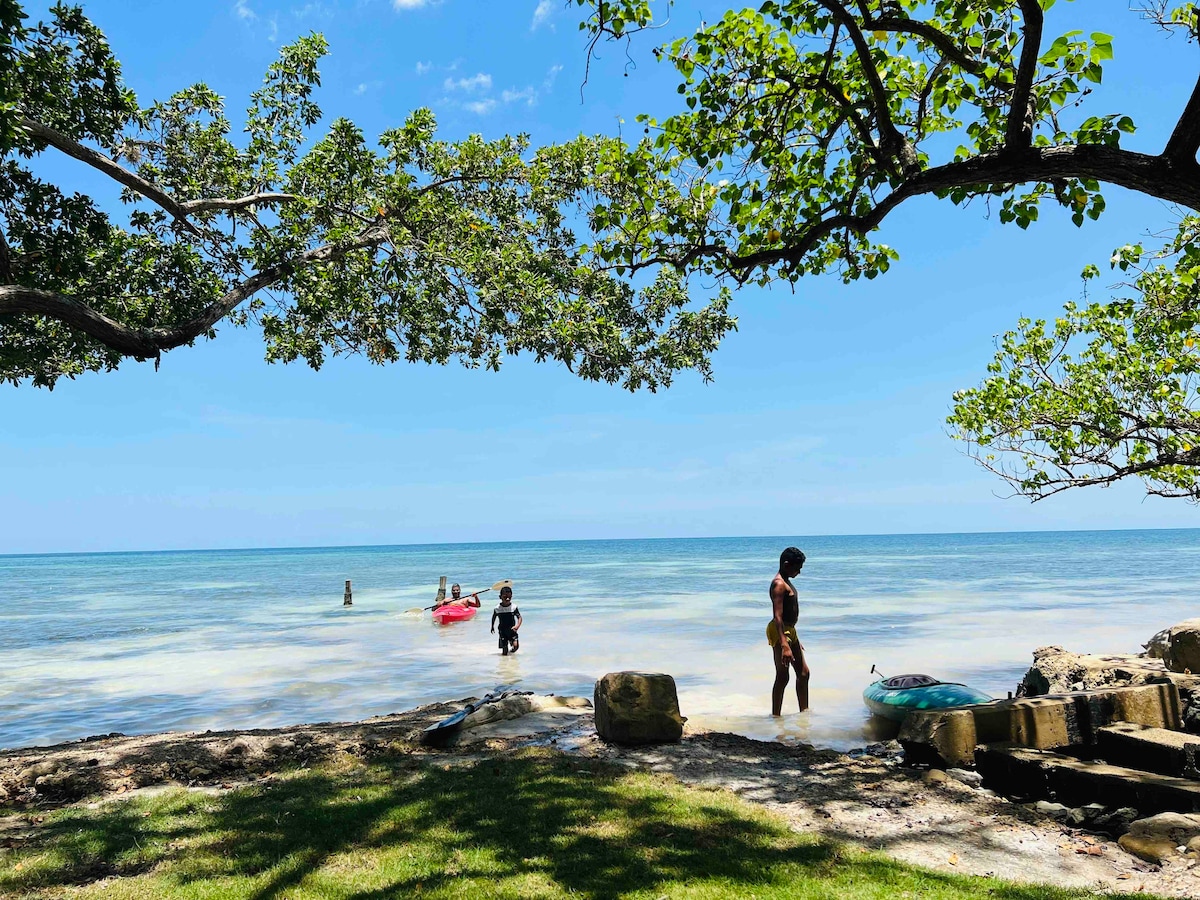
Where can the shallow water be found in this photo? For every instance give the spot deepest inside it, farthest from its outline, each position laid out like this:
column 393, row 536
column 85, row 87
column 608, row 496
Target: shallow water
column 138, row 642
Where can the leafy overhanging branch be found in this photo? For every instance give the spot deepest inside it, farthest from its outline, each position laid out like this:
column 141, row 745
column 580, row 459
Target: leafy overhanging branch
column 810, row 120
column 145, row 343
column 1111, row 390
column 418, row 249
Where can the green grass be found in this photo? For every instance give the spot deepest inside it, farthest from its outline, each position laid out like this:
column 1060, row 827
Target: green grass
column 527, row 826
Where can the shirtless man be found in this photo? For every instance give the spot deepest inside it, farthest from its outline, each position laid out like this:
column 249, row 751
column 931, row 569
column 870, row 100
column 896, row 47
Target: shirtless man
column 789, row 652
column 456, row 597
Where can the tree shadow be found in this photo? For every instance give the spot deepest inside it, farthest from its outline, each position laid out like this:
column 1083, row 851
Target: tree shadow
column 574, row 825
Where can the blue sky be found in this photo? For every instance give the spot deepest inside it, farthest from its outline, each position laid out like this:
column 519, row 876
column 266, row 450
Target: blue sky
column 826, row 415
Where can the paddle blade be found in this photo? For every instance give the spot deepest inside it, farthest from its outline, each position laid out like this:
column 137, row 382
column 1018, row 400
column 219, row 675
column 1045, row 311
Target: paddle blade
column 506, row 583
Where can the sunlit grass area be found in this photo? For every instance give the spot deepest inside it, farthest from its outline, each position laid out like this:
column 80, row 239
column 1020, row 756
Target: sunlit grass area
column 534, row 825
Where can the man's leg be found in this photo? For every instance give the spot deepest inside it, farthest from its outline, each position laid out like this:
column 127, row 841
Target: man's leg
column 781, row 681
column 801, row 665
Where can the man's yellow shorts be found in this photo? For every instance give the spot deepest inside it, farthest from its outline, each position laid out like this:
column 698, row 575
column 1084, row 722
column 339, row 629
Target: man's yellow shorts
column 773, row 634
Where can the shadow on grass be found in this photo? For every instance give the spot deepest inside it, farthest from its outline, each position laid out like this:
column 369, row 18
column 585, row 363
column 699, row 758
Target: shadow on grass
column 398, row 828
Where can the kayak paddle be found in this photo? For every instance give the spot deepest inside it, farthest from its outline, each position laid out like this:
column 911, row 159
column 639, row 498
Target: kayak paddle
column 503, row 583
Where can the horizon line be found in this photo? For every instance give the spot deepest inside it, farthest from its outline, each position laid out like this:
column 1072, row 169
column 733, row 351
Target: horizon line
column 719, row 537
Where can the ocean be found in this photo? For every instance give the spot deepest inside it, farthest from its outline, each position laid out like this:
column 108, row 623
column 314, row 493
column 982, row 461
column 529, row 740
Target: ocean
column 145, row 642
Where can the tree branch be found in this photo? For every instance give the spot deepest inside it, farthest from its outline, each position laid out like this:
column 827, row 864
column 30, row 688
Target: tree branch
column 1019, row 132
column 144, row 343
column 1185, row 139
column 939, row 39
column 228, row 204
column 1155, row 176
column 113, row 170
column 891, row 140
column 6, row 273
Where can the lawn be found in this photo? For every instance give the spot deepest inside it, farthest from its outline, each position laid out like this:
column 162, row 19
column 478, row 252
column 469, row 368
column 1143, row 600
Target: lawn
column 533, row 825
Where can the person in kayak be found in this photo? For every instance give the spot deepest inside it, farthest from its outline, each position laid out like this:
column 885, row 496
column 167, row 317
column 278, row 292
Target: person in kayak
column 510, row 620
column 456, row 597
column 785, row 611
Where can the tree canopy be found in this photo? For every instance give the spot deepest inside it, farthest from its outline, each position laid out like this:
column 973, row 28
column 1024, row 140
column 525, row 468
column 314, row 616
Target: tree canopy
column 803, row 125
column 1111, row 390
column 416, row 248
column 808, row 122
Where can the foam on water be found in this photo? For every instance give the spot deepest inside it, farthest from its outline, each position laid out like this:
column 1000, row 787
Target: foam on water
column 150, row 641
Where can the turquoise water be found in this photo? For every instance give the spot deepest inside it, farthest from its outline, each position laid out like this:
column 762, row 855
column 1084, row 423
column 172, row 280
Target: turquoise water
column 139, row 642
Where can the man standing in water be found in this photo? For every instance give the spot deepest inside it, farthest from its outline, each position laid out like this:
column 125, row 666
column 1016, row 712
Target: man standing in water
column 788, row 651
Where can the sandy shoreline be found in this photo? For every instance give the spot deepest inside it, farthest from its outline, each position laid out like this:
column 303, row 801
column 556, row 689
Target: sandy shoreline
column 867, row 798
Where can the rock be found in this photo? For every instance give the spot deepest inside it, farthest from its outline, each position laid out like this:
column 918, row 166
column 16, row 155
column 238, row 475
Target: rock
column 973, row 779
column 508, row 708
column 939, row 737
column 1151, row 849
column 1191, row 715
column 62, row 786
column 1058, row 671
column 1084, row 816
column 1177, row 828
column 885, row 750
column 244, row 746
column 1055, row 811
column 31, row 774
column 1156, row 647
column 1117, row 821
column 1193, row 846
column 935, row 776
column 637, row 708
column 197, row 772
column 1182, row 651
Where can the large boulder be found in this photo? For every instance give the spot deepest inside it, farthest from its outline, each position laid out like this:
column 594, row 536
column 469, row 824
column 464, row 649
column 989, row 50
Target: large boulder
column 1181, row 648
column 1177, row 828
column 1152, row 850
column 637, row 708
column 1059, row 671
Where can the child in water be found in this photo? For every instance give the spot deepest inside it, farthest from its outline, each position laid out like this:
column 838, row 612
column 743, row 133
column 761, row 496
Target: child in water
column 510, row 621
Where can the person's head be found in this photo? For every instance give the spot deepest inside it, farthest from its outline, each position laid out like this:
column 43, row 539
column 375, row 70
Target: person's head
column 455, row 591
column 505, row 594
column 791, row 561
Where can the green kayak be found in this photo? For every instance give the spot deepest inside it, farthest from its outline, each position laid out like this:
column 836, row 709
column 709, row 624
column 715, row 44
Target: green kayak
column 893, row 697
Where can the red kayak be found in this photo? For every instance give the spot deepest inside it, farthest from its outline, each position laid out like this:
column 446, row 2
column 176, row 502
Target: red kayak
column 453, row 612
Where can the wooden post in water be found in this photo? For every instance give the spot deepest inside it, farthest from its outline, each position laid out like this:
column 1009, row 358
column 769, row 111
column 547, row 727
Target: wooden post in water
column 347, row 599
column 441, row 594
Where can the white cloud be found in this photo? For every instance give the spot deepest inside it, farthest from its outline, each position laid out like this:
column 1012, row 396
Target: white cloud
column 529, row 95
column 408, row 4
column 242, row 10
column 368, row 86
column 481, row 107
column 551, row 75
column 480, row 82
column 423, row 67
column 541, row 14
column 317, row 9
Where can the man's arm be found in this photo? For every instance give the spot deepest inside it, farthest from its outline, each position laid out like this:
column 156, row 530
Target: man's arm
column 778, row 592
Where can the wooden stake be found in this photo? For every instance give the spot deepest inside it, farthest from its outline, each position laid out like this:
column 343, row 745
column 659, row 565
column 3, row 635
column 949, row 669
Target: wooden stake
column 347, row 599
